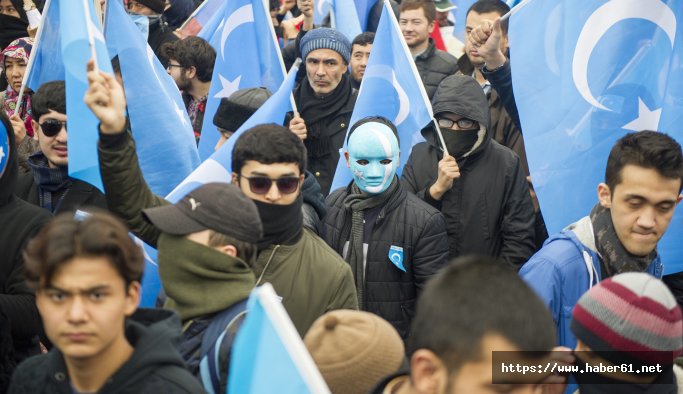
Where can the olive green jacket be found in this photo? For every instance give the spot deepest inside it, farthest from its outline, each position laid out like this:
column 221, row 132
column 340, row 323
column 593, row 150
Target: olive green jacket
column 310, row 277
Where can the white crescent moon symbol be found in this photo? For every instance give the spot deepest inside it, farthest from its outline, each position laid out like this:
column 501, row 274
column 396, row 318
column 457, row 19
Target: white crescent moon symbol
column 386, row 73
column 602, row 20
column 244, row 14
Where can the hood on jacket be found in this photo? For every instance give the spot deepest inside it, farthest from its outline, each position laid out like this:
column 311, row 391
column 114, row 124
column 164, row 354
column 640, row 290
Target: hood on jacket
column 8, row 162
column 154, row 334
column 460, row 95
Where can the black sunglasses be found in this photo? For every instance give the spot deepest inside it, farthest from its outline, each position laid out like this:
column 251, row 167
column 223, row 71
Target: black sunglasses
column 262, row 184
column 52, row 127
column 463, row 123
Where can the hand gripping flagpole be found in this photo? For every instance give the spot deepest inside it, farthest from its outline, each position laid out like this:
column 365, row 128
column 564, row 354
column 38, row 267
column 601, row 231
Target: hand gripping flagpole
column 31, row 59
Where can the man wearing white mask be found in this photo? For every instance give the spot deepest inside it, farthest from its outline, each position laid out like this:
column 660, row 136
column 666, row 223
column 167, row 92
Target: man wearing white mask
column 392, row 239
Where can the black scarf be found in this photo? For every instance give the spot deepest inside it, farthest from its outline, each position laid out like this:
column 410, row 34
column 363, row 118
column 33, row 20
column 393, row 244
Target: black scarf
column 53, row 183
column 616, row 259
column 282, row 224
column 355, row 203
column 11, row 28
column 317, row 110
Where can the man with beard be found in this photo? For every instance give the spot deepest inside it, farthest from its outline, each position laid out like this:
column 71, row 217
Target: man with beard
column 643, row 180
column 325, row 100
column 190, row 63
column 268, row 164
column 478, row 184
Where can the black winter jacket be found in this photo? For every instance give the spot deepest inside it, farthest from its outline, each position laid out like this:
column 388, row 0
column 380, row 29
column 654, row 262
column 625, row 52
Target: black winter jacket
column 80, row 195
column 488, row 210
column 435, row 65
column 154, row 367
column 407, row 222
column 19, row 221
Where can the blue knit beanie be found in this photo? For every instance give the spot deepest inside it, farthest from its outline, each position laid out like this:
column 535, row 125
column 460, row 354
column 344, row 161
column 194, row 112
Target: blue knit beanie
column 325, row 38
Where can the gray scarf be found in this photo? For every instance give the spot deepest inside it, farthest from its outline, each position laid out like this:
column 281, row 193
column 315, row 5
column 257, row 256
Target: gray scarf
column 616, row 259
column 356, row 202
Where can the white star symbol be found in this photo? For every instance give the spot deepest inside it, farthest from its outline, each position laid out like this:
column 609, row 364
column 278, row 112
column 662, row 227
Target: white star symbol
column 646, row 120
column 181, row 114
column 229, row 87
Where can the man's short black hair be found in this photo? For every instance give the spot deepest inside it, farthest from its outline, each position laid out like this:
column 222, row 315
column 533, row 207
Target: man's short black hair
column 374, row 119
column 268, row 144
column 50, row 96
column 647, row 149
column 487, row 6
column 192, row 51
column 363, row 39
column 472, row 297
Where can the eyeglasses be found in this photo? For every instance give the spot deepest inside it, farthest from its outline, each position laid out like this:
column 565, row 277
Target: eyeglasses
column 52, row 127
column 463, row 123
column 262, row 184
column 174, row 65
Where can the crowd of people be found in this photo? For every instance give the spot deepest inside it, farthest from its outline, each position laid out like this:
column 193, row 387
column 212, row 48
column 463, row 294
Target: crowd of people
column 403, row 281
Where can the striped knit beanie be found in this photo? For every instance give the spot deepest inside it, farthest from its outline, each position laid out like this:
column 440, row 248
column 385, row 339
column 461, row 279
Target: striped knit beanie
column 631, row 317
column 325, row 38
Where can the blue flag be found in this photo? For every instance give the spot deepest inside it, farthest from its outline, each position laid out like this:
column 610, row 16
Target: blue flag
column 391, row 88
column 162, row 130
column 80, row 30
column 460, row 14
column 247, row 56
column 46, row 58
column 345, row 18
column 218, row 167
column 268, row 355
column 201, row 17
column 363, row 8
column 214, row 20
column 321, row 9
column 585, row 74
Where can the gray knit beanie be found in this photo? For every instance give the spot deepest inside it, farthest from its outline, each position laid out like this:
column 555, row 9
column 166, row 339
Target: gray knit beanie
column 325, row 38
column 233, row 111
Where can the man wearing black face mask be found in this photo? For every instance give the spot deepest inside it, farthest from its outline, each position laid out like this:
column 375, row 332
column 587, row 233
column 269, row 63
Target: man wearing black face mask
column 479, row 185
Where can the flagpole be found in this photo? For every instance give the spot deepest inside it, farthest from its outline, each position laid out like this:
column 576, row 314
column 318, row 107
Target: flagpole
column 440, row 135
column 91, row 40
column 297, row 64
column 515, row 10
column 192, row 15
column 31, row 59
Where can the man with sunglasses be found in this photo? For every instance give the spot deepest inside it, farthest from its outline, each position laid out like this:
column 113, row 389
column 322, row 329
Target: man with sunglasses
column 268, row 163
column 478, row 184
column 393, row 241
column 48, row 185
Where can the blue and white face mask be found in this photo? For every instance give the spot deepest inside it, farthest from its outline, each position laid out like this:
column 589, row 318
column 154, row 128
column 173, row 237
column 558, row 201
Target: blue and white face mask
column 4, row 149
column 142, row 22
column 373, row 157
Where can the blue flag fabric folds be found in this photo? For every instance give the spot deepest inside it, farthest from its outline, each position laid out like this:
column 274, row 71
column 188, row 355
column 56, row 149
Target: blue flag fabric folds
column 391, row 88
column 585, row 74
column 46, row 56
column 460, row 14
column 268, row 356
column 247, row 56
column 79, row 30
column 164, row 139
column 345, row 18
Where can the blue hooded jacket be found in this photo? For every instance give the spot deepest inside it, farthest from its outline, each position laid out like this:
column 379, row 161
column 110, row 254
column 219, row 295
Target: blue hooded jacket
column 565, row 268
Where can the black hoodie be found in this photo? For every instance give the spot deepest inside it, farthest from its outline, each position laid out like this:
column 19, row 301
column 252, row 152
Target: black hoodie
column 19, row 221
column 488, row 210
column 154, row 367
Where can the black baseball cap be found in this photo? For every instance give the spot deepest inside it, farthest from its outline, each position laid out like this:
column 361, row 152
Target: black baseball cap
column 220, row 207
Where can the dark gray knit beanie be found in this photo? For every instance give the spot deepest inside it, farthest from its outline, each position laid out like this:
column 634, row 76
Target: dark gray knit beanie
column 325, row 38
